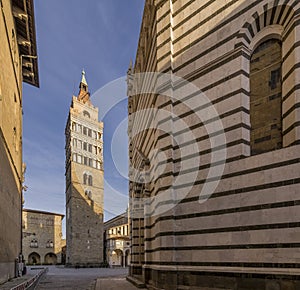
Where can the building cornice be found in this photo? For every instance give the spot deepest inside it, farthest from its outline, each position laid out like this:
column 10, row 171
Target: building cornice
column 23, row 12
column 43, row 212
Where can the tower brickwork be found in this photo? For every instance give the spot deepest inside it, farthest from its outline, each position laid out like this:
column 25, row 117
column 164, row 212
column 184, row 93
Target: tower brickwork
column 84, row 181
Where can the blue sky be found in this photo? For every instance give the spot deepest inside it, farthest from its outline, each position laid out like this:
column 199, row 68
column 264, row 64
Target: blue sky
column 100, row 36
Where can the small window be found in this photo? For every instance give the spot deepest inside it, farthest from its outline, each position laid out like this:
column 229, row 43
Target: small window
column 79, row 144
column 90, row 180
column 84, row 130
column 85, row 146
column 49, row 244
column 85, row 161
column 88, row 193
column 34, row 243
column 90, row 148
column 85, row 178
column 90, row 133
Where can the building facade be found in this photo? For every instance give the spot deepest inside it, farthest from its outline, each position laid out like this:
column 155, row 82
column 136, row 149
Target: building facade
column 42, row 237
column 18, row 63
column 117, row 241
column 216, row 175
column 84, row 182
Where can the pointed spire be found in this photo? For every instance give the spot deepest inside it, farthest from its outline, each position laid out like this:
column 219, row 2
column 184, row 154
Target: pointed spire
column 84, row 94
column 83, row 86
column 83, row 79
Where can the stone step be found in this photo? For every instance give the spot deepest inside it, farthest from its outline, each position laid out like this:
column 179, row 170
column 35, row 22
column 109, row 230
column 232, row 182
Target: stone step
column 136, row 282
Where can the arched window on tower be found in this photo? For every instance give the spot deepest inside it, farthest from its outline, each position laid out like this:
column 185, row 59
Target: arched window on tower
column 49, row 244
column 266, row 97
column 34, row 243
column 90, row 180
column 84, row 178
column 88, row 193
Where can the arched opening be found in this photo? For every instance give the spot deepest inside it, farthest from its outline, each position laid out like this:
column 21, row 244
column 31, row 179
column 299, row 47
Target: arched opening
column 34, row 259
column 90, row 180
column 50, row 259
column 127, row 258
column 266, row 97
column 116, row 258
column 63, row 255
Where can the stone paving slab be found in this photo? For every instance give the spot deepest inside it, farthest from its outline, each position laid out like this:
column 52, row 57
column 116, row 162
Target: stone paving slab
column 114, row 283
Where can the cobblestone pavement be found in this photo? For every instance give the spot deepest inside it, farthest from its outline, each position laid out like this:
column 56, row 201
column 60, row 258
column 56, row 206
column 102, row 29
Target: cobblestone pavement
column 79, row 279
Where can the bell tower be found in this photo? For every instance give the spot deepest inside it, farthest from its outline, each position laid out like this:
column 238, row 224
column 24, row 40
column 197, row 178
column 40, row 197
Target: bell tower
column 84, row 181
